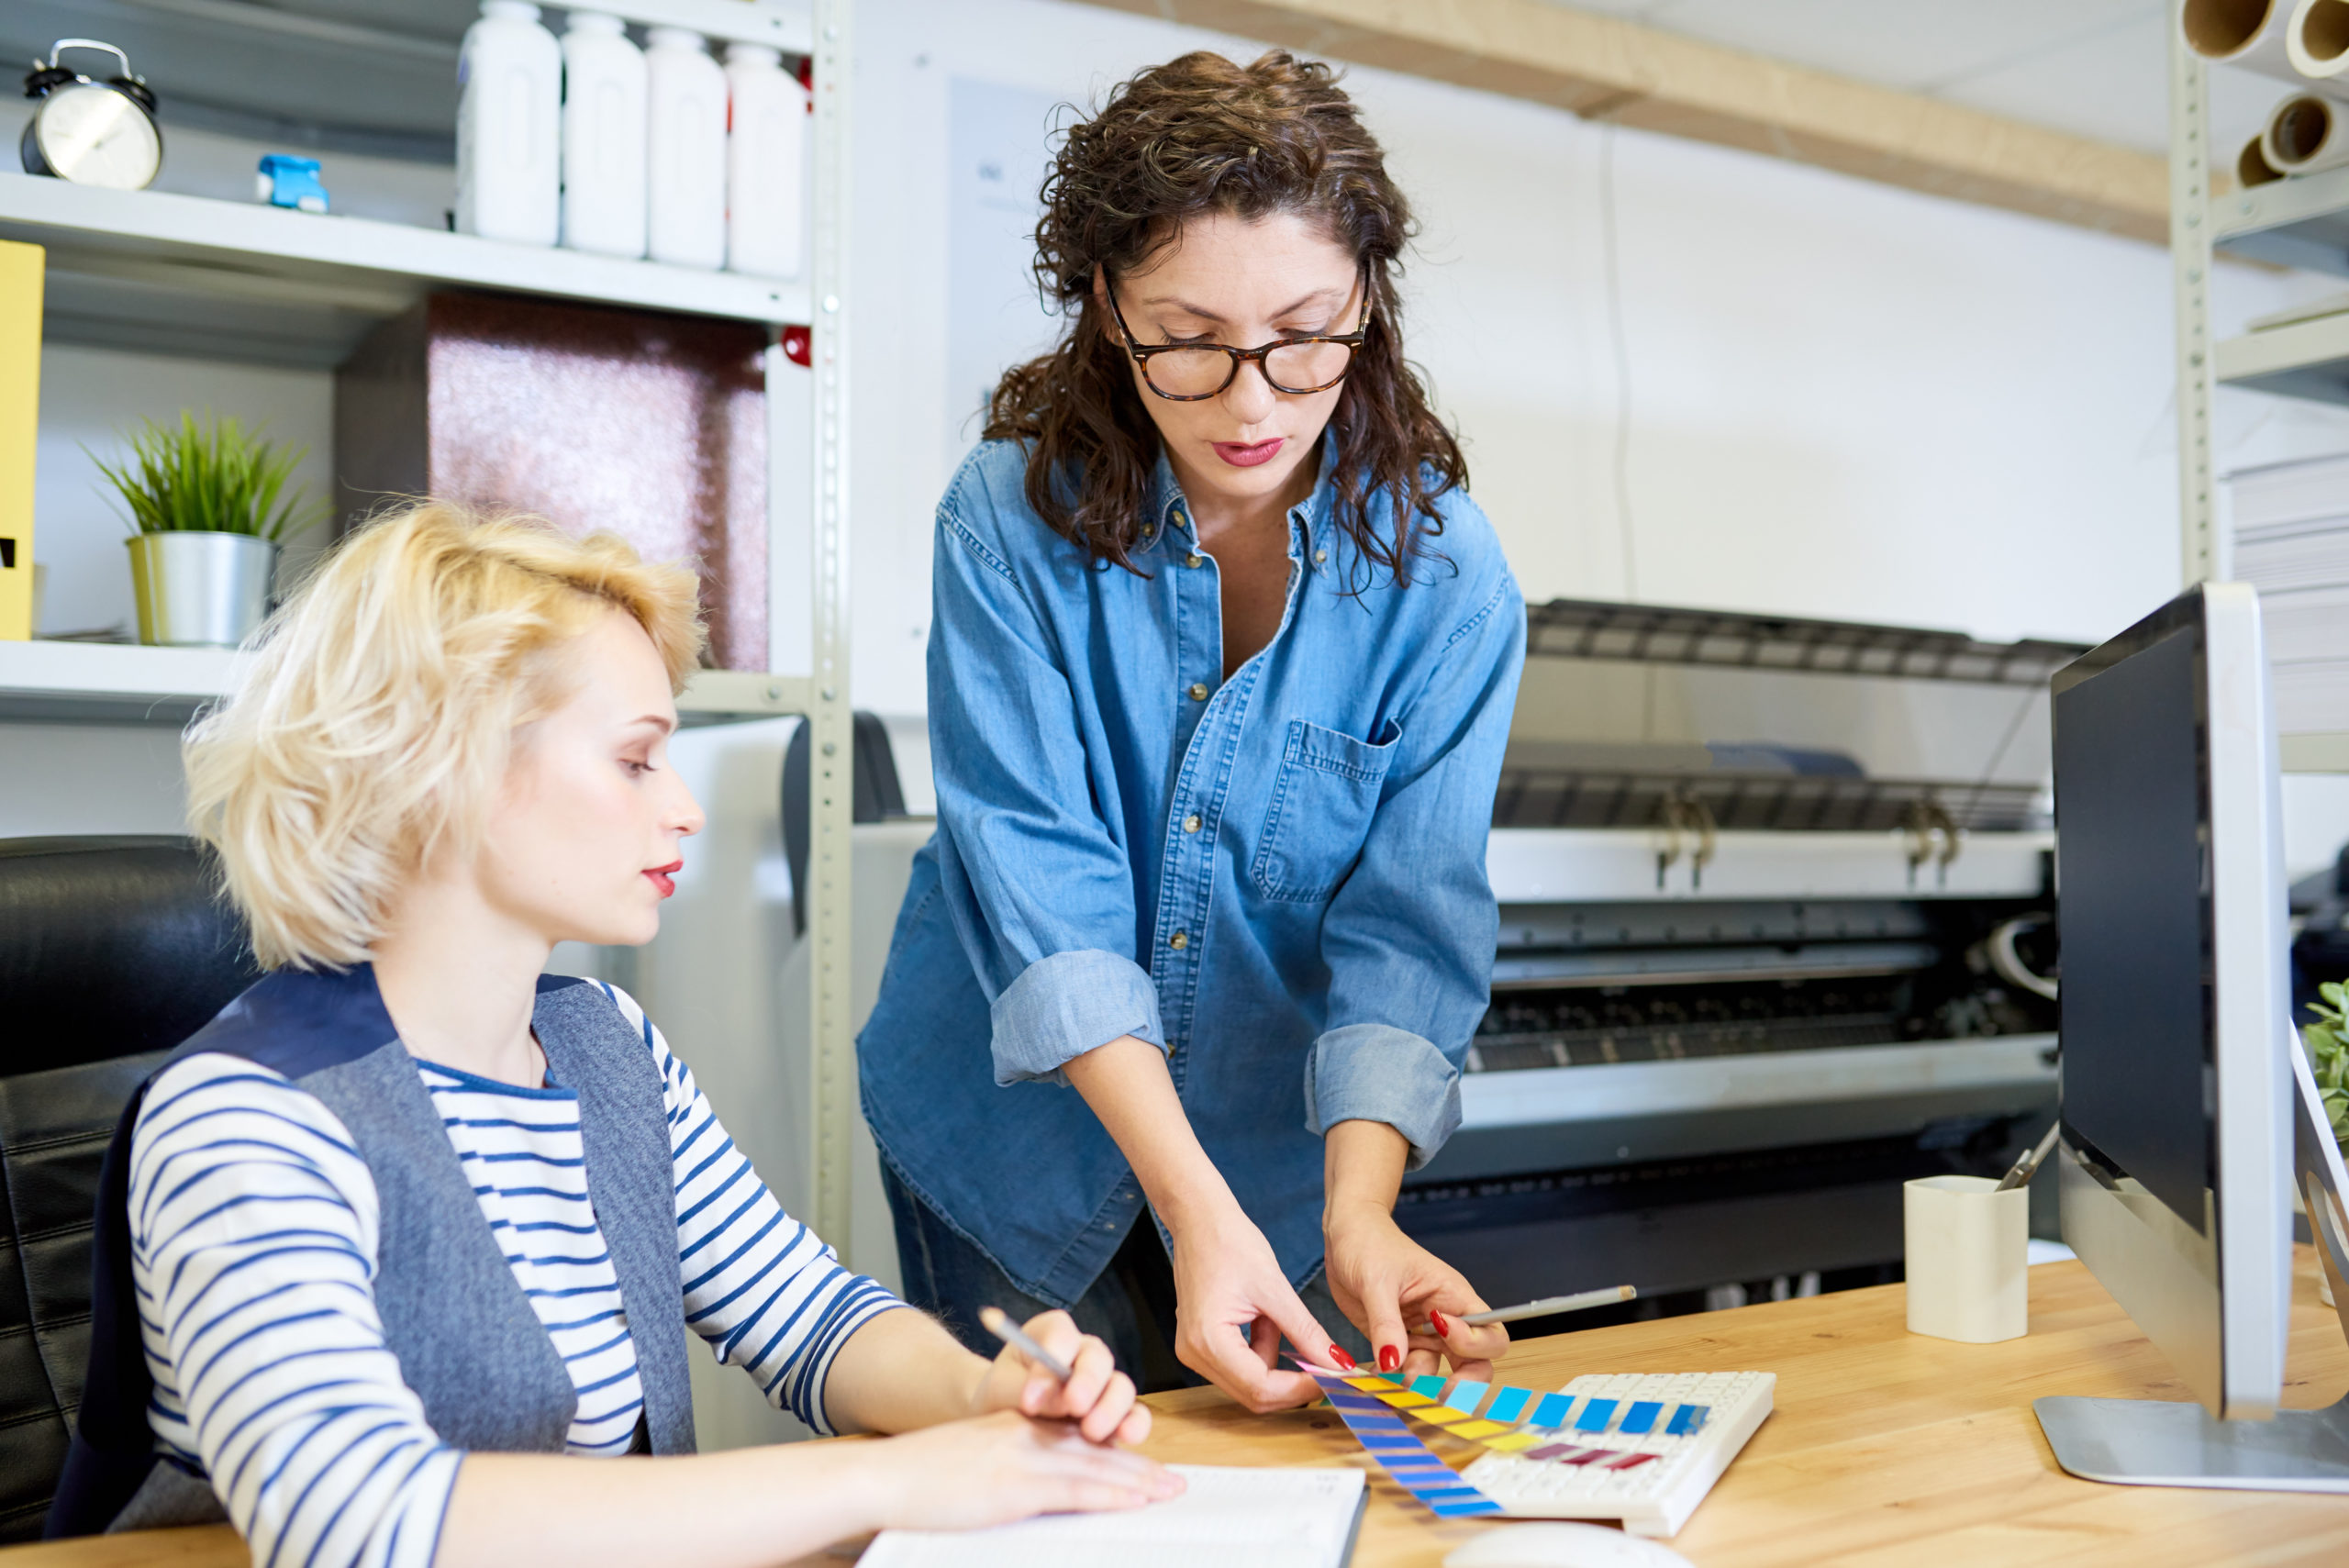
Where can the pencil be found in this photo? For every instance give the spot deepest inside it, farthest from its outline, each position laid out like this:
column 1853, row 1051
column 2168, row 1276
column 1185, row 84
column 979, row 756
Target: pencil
column 1550, row 1304
column 996, row 1322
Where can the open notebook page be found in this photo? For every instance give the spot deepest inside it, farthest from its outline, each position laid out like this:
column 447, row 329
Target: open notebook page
column 1232, row 1517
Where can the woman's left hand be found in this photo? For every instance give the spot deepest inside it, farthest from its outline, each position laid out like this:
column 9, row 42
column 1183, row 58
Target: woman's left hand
column 1098, row 1397
column 1406, row 1299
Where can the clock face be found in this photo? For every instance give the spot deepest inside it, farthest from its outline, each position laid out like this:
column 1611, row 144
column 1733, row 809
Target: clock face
column 95, row 136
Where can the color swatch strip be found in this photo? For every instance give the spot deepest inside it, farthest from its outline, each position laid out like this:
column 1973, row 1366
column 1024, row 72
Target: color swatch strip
column 1520, row 1419
column 1404, row 1457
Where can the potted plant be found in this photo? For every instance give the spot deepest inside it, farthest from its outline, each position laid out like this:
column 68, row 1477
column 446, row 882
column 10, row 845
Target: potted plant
column 2328, row 1044
column 204, row 503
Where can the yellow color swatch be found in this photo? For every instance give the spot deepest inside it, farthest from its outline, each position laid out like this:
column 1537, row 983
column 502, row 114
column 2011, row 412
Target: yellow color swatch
column 1405, row 1400
column 1513, row 1441
column 1478, row 1429
column 1441, row 1415
column 1368, row 1384
column 20, row 289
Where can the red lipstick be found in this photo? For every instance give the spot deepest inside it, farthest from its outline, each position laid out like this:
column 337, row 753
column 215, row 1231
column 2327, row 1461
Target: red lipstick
column 661, row 876
column 1242, row 455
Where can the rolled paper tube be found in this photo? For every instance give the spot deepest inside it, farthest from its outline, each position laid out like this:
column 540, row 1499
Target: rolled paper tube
column 2316, row 38
column 2252, row 167
column 2248, row 33
column 2308, row 132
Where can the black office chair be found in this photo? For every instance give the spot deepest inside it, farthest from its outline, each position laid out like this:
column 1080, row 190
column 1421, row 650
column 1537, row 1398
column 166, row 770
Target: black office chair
column 112, row 952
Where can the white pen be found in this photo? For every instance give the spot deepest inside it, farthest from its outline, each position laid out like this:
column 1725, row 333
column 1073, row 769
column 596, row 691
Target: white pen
column 997, row 1321
column 1550, row 1304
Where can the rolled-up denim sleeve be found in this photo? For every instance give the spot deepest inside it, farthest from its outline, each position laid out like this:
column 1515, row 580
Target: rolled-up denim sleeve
column 1040, row 890
column 1409, row 937
column 1067, row 1004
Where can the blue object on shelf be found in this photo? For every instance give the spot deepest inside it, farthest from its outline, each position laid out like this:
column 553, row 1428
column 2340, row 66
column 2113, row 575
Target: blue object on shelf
column 291, row 181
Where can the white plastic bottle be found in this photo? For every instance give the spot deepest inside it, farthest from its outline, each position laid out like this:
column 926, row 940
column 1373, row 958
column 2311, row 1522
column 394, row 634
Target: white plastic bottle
column 603, row 136
column 686, row 146
column 766, row 129
column 509, row 126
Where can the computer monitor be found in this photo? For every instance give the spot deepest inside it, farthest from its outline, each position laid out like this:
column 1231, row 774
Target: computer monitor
column 2180, row 1097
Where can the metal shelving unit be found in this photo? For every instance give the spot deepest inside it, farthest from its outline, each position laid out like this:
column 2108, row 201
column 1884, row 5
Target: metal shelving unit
column 234, row 281
column 2302, row 221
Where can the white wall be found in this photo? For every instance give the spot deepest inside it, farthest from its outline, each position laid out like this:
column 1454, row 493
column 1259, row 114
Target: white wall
column 1846, row 400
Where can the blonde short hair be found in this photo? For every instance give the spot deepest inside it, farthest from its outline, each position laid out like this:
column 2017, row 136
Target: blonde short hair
column 376, row 724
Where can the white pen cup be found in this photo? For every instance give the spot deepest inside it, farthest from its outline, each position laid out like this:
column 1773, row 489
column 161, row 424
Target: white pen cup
column 1968, row 1259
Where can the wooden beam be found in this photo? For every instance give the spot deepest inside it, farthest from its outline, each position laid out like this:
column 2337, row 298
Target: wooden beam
column 1604, row 68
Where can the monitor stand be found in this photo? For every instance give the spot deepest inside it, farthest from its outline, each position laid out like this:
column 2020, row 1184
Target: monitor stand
column 2149, row 1443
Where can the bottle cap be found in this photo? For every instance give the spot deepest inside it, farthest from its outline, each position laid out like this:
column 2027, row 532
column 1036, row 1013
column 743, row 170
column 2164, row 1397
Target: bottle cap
column 674, row 38
column 594, row 22
column 754, row 54
column 510, row 10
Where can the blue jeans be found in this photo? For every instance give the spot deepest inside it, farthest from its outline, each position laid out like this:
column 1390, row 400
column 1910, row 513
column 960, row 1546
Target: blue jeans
column 1130, row 1305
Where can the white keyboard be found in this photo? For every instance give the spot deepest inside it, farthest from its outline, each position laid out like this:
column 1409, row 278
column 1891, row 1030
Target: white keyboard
column 1631, row 1447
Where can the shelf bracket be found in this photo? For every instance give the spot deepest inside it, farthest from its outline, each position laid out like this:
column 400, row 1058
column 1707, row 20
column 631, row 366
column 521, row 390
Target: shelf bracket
column 831, row 1059
column 2203, row 552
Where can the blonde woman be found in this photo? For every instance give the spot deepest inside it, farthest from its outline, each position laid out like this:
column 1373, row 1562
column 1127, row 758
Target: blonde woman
column 410, row 1229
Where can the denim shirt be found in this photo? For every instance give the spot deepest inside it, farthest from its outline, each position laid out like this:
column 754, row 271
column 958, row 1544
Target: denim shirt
column 1277, row 879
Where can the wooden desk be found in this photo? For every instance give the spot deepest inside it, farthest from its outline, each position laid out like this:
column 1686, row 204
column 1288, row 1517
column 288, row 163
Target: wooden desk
column 1884, row 1448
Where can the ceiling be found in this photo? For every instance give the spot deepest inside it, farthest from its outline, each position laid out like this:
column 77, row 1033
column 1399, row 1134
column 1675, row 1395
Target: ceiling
column 2096, row 68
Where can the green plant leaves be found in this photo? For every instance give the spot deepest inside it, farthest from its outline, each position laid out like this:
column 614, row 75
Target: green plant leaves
column 2328, row 1044
column 214, row 478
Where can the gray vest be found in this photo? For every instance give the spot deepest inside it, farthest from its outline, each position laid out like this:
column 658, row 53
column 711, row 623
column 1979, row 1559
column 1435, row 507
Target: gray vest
column 467, row 1341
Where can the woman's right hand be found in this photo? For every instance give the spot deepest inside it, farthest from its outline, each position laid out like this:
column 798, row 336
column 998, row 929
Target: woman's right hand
column 1232, row 1304
column 993, row 1469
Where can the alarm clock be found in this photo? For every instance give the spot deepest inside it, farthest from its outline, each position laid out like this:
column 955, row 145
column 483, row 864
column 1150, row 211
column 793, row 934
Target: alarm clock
column 90, row 131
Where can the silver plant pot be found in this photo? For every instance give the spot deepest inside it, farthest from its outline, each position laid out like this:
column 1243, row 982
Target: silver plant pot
column 200, row 590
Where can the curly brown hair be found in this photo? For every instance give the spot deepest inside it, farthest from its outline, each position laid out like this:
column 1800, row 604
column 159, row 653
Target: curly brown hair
column 1203, row 135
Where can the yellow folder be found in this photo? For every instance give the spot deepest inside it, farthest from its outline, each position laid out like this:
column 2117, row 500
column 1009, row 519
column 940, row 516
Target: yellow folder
column 20, row 281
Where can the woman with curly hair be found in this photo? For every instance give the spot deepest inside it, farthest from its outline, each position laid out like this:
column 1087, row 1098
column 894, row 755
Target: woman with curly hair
column 1221, row 667
column 400, row 1255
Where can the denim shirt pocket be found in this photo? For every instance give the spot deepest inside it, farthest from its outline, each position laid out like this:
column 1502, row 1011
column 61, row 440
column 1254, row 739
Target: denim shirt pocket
column 1323, row 799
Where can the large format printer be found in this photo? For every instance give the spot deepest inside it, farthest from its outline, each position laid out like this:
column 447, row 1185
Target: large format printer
column 1775, row 935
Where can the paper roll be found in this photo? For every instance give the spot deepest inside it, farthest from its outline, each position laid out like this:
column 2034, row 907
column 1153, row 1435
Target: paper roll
column 2252, row 167
column 2249, row 33
column 2316, row 40
column 2305, row 133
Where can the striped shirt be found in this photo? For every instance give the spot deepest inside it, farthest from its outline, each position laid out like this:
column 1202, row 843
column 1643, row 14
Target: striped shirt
column 254, row 1241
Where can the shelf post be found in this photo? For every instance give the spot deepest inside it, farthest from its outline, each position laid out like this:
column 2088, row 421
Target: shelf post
column 2203, row 552
column 832, row 1058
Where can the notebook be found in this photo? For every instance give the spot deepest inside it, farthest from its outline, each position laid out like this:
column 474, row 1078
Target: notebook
column 1230, row 1516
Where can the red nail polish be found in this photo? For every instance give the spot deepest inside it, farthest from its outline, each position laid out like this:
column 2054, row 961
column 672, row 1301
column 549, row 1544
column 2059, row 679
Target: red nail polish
column 1390, row 1357
column 1442, row 1329
column 1337, row 1357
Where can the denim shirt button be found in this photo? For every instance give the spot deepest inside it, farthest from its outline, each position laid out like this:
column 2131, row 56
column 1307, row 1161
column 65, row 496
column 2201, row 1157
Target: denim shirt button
column 1191, row 823
column 1179, row 940
column 1198, row 691
column 1195, row 558
column 1320, row 555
